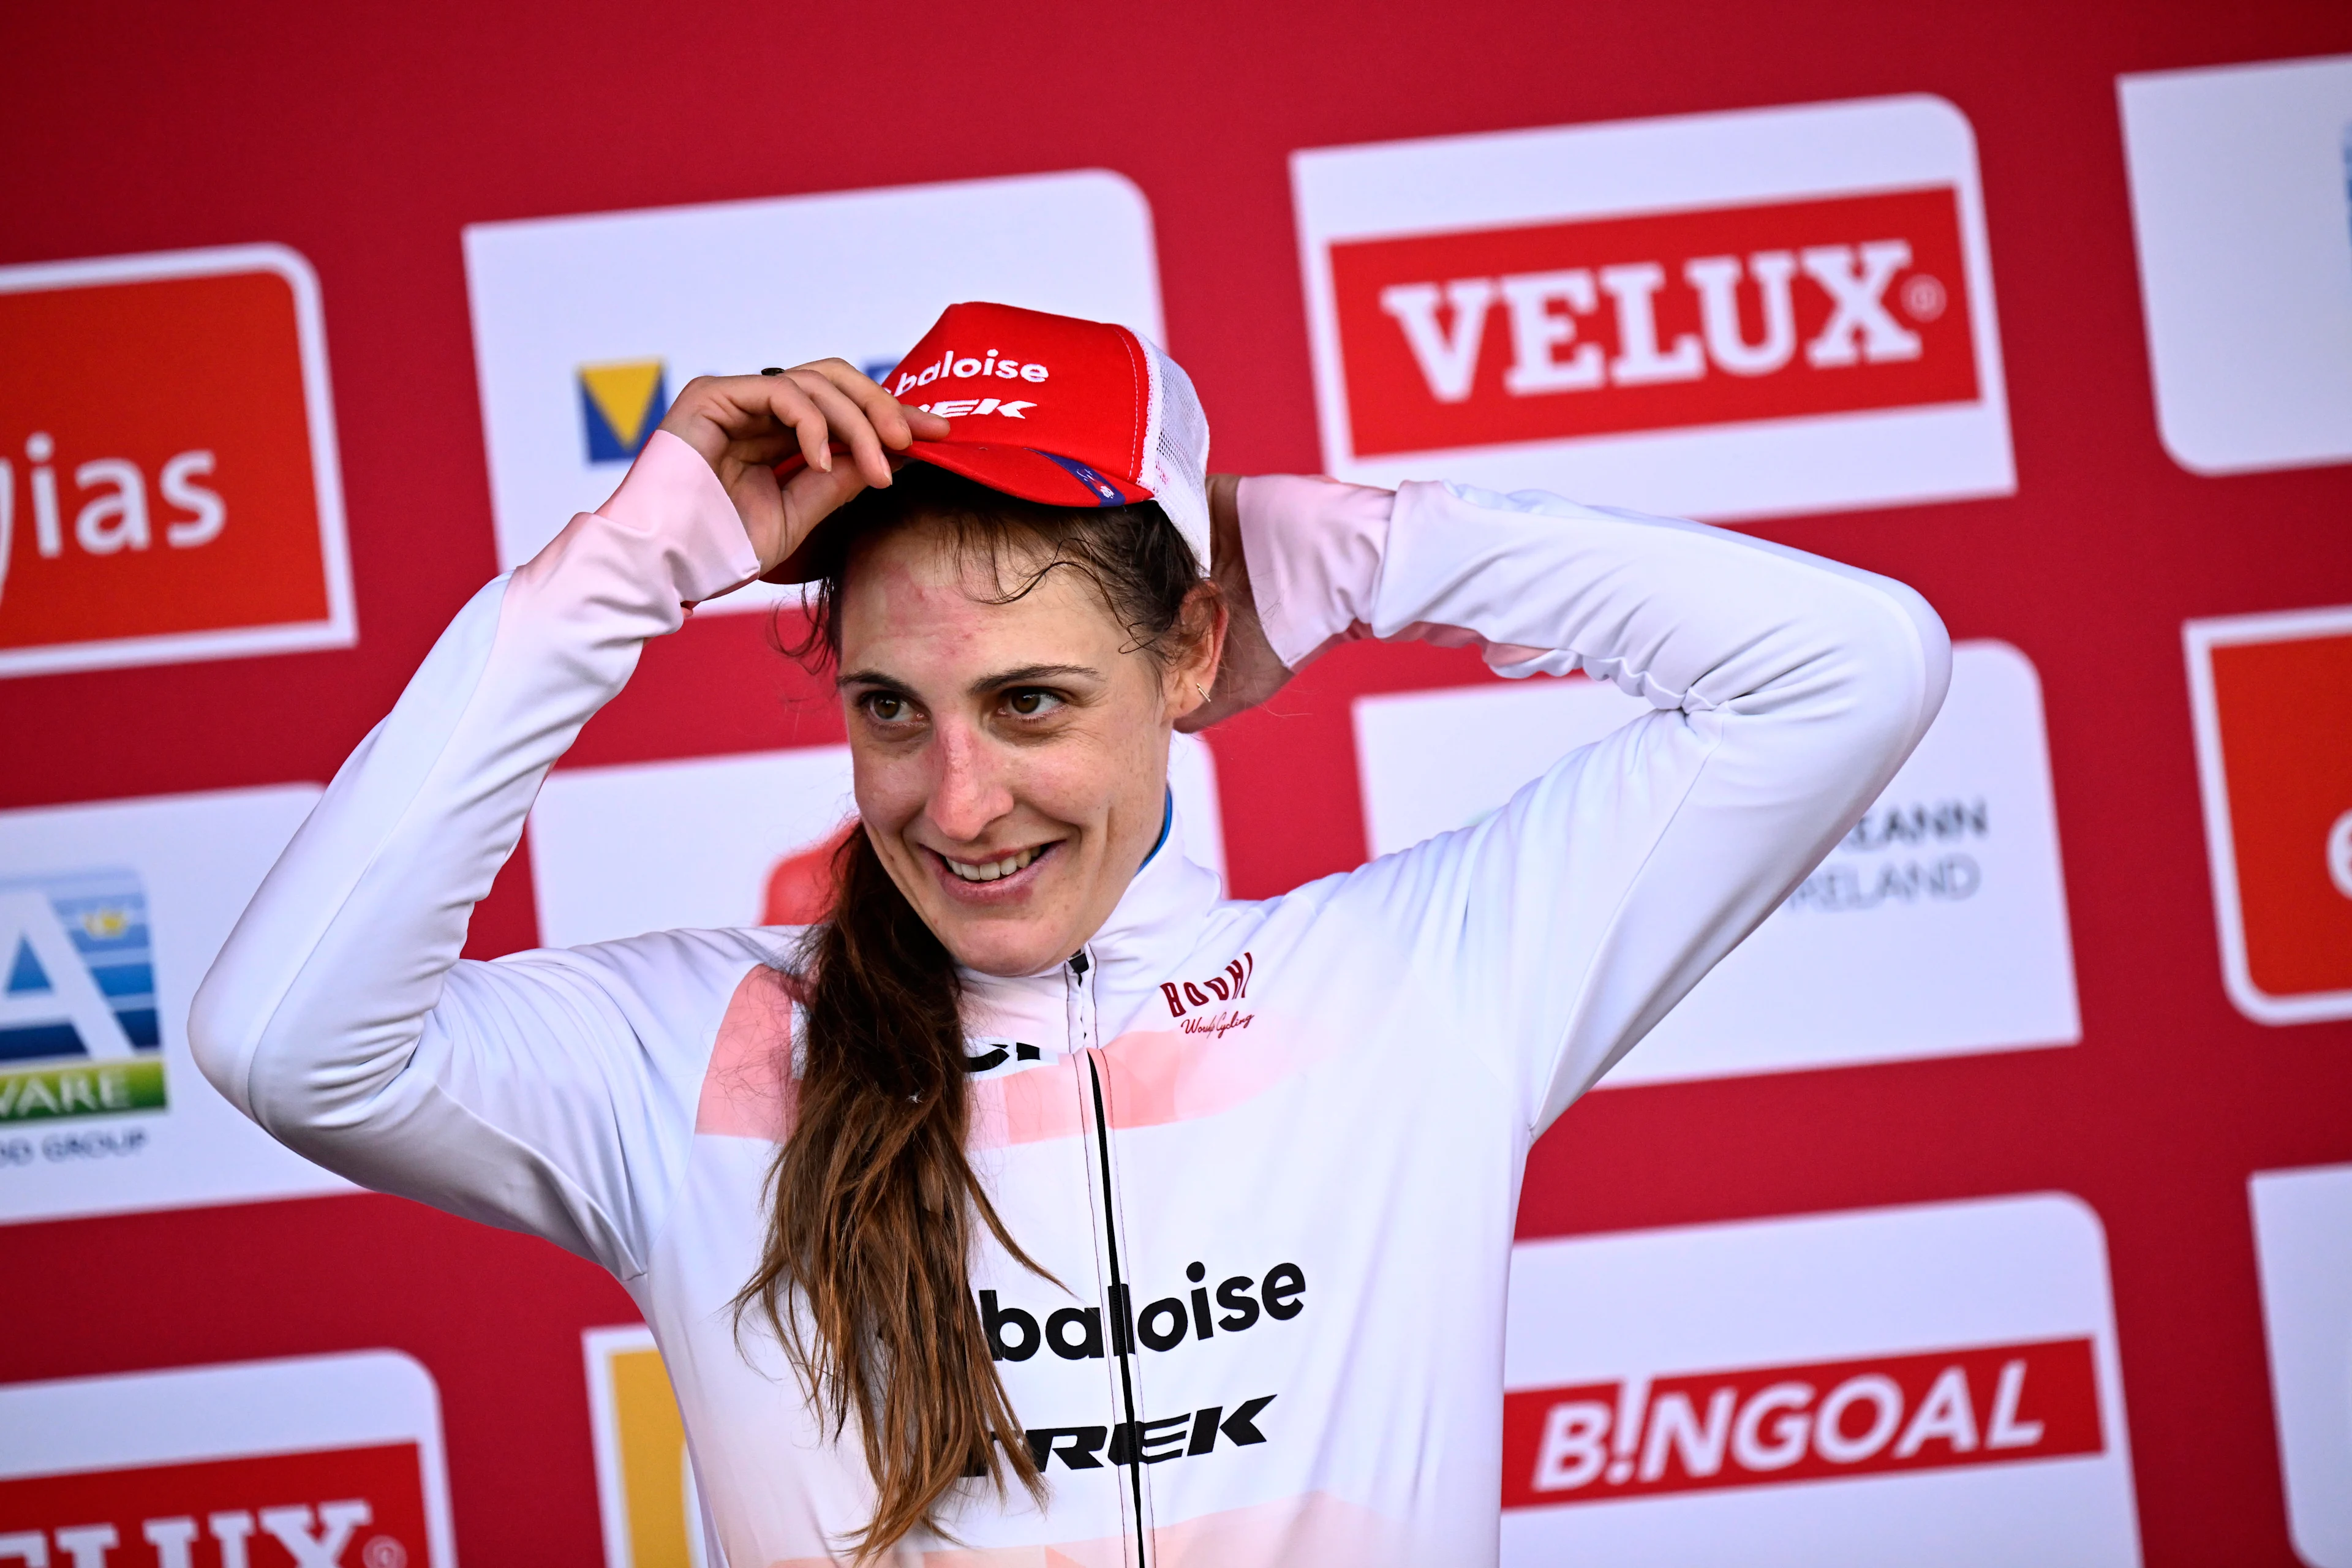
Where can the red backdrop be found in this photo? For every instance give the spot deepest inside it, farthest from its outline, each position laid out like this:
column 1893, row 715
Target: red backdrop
column 366, row 142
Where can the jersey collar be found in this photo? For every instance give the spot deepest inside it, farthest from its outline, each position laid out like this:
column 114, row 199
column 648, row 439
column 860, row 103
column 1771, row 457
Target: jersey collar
column 1152, row 925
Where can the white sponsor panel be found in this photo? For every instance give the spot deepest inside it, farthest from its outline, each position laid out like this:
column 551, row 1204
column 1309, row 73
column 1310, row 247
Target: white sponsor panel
column 330, row 1461
column 617, row 851
column 1726, row 315
column 585, row 327
column 109, row 915
column 639, row 847
column 1937, row 927
column 2303, row 1241
column 1930, row 1386
column 2242, row 202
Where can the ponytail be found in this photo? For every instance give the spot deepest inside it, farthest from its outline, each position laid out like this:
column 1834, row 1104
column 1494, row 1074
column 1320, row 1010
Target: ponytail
column 874, row 1204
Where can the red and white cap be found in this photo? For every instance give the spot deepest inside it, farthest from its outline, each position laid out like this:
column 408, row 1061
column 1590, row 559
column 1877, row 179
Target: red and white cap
column 1055, row 409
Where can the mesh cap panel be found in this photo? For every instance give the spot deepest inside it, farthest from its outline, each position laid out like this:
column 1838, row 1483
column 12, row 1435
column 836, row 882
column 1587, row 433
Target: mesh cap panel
column 1176, row 451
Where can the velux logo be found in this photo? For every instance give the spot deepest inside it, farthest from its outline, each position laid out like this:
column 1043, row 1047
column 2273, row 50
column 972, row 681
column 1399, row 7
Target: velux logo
column 1673, row 319
column 1731, row 315
column 1643, row 1436
column 309, row 1462
column 314, row 1537
column 78, row 1032
column 363, row 1510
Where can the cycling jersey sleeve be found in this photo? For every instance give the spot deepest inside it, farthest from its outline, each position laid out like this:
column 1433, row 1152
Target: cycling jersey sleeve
column 548, row 1092
column 1786, row 689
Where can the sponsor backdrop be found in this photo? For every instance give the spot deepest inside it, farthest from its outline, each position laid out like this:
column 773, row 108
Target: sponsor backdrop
column 1990, row 1205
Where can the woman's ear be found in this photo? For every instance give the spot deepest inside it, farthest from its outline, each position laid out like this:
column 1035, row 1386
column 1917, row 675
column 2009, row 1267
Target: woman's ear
column 1199, row 636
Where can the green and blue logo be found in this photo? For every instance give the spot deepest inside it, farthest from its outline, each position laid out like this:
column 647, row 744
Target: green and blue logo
column 80, row 1034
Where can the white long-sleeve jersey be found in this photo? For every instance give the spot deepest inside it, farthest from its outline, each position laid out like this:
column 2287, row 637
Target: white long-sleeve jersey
column 1271, row 1149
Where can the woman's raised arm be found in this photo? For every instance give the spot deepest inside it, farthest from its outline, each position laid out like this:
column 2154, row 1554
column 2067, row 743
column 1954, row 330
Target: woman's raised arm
column 549, row 1092
column 1787, row 691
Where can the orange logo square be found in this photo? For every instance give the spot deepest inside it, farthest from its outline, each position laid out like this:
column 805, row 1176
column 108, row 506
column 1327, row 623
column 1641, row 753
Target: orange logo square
column 168, row 483
column 2273, row 699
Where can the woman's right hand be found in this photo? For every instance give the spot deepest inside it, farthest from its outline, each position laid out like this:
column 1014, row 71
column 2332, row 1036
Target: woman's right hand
column 745, row 424
column 1249, row 670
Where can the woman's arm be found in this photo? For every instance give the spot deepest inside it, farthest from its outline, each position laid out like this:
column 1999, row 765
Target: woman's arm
column 1788, row 689
column 549, row 1092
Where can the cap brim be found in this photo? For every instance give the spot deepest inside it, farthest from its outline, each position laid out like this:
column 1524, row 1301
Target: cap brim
column 1027, row 472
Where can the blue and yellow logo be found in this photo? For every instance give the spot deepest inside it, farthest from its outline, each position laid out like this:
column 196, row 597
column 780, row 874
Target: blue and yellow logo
column 620, row 404
column 79, row 1024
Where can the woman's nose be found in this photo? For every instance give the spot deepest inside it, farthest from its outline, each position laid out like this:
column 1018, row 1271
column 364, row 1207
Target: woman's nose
column 968, row 790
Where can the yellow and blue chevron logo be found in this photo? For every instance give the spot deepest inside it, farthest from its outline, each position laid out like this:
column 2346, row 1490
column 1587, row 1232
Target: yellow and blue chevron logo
column 620, row 404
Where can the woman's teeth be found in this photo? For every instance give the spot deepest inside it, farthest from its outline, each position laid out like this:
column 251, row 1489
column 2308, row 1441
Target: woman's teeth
column 990, row 870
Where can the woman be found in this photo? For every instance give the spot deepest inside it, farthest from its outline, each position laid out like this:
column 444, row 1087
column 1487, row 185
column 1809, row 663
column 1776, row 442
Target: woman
column 1040, row 1198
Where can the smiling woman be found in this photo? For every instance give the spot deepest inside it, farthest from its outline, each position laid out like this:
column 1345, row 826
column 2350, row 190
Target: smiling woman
column 1011, row 673
column 947, row 1213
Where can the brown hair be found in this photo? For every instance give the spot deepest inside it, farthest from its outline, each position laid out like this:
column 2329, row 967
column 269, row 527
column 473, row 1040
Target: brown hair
column 875, row 1207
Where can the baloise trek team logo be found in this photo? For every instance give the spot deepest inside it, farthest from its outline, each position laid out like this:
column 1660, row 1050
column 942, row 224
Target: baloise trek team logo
column 1119, row 1328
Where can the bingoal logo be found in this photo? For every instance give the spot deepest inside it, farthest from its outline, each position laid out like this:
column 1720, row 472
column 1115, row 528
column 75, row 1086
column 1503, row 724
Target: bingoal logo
column 1719, row 315
column 1936, row 1382
column 1641, row 1436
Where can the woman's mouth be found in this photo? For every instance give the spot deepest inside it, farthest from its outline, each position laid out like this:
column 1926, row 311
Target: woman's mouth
column 993, row 873
column 990, row 870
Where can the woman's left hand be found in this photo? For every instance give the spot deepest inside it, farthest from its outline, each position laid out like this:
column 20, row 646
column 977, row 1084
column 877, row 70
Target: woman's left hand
column 1249, row 673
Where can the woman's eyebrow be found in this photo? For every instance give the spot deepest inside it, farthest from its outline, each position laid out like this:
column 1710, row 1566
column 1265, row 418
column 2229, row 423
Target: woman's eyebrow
column 869, row 677
column 1029, row 674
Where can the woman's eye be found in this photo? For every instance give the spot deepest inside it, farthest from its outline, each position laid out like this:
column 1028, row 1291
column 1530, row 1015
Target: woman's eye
column 1031, row 704
column 887, row 708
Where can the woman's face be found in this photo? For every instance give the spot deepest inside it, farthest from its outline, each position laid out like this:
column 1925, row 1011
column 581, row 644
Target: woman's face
column 1011, row 759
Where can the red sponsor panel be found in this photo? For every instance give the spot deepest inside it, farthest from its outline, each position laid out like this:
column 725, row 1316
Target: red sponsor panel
column 800, row 886
column 1668, row 321
column 344, row 1508
column 2273, row 700
column 207, row 525
column 1762, row 1426
column 2290, row 782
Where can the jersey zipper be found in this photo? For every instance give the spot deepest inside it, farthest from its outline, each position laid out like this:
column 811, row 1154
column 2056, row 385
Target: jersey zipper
column 1082, row 1037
